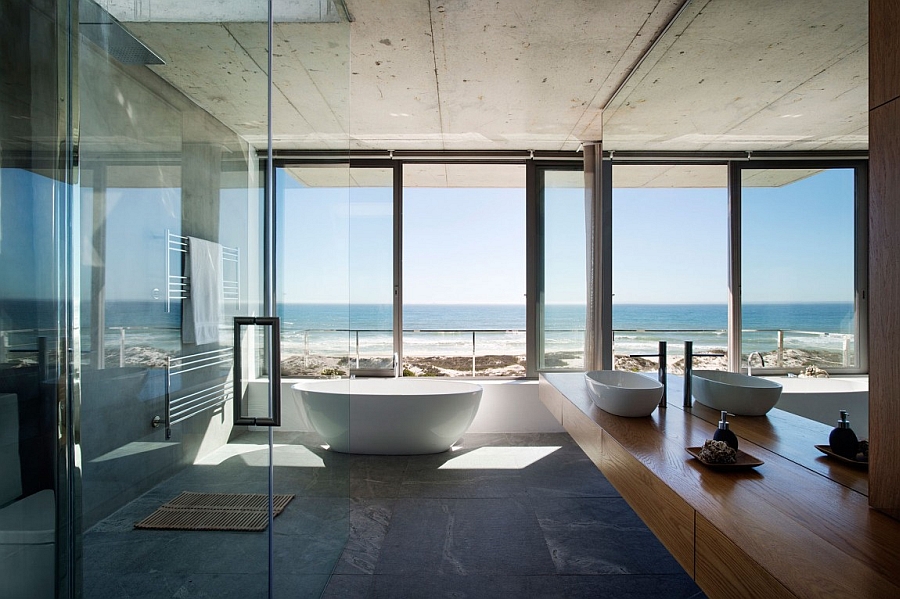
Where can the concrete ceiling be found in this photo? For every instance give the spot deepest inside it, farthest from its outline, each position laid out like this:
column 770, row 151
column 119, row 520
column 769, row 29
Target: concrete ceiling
column 760, row 75
column 533, row 74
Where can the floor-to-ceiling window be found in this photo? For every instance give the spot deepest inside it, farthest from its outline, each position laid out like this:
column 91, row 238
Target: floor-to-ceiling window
column 802, row 277
column 562, row 280
column 464, row 242
column 458, row 286
column 335, row 269
column 463, row 234
column 670, row 264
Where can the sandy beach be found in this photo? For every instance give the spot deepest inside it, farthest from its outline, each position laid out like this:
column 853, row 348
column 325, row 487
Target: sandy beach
column 500, row 365
column 514, row 366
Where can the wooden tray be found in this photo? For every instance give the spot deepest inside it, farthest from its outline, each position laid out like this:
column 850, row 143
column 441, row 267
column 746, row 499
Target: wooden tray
column 826, row 449
column 743, row 460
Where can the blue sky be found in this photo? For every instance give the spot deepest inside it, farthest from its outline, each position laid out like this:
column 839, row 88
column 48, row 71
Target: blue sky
column 468, row 245
column 798, row 240
column 473, row 252
column 669, row 245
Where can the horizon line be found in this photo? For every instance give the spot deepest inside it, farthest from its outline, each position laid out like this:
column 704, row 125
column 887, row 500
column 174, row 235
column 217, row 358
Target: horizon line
column 636, row 303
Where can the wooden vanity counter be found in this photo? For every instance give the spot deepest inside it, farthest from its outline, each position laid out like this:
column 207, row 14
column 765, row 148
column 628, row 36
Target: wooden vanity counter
column 797, row 526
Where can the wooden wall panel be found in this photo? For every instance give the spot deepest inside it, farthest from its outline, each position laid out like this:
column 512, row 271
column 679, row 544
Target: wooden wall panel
column 669, row 516
column 884, row 306
column 584, row 431
column 724, row 570
column 884, row 52
column 551, row 398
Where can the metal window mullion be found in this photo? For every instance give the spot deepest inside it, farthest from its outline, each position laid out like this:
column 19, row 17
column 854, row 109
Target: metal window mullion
column 533, row 268
column 861, row 272
column 398, row 264
column 598, row 336
column 606, row 263
column 734, row 267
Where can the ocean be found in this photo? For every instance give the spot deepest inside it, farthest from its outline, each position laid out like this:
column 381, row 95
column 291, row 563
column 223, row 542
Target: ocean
column 500, row 329
column 325, row 329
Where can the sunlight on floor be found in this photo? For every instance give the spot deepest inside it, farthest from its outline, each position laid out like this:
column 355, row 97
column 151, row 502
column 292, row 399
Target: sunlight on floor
column 498, row 458
column 258, row 455
column 133, row 448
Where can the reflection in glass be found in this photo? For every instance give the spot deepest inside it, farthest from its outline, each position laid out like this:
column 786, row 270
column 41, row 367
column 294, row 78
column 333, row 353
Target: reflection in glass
column 335, row 269
column 798, row 269
column 562, row 298
column 160, row 178
column 670, row 265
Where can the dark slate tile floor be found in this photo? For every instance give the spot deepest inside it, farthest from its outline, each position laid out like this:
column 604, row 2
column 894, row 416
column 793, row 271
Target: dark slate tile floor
column 500, row 516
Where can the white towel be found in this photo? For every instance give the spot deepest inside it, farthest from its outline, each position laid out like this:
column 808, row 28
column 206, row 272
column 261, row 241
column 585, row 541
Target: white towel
column 202, row 312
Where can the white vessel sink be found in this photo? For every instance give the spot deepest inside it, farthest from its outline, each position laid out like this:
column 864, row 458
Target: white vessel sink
column 623, row 393
column 735, row 393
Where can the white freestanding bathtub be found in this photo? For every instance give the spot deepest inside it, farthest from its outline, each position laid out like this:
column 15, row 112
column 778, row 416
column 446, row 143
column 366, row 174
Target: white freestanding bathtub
column 823, row 399
column 394, row 416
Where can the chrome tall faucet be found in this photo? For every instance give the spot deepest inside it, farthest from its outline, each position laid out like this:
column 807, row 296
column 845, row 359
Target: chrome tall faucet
column 689, row 356
column 661, row 373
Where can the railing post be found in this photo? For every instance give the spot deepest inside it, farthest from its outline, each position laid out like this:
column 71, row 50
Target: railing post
column 306, row 347
column 4, row 347
column 473, row 353
column 357, row 348
column 846, row 350
column 121, row 347
column 779, row 354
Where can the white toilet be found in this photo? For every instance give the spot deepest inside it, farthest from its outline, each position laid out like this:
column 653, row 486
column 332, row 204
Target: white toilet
column 27, row 524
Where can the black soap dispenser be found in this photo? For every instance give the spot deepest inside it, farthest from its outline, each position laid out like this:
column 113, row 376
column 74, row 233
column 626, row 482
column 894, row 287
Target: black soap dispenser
column 843, row 440
column 723, row 433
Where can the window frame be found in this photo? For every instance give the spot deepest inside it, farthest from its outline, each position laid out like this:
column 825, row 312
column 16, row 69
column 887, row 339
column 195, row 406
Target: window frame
column 536, row 260
column 533, row 162
column 538, row 164
column 860, row 259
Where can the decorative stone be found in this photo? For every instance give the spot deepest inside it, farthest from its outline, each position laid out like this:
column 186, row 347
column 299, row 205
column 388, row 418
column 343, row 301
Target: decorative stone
column 717, row 452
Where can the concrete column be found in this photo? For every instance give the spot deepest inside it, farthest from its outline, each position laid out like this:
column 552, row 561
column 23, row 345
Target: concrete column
column 201, row 174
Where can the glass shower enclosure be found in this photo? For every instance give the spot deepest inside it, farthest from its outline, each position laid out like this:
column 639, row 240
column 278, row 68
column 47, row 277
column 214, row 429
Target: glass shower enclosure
column 135, row 226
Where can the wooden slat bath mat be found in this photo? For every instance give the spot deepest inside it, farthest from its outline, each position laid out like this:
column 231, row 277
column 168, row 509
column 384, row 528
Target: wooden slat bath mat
column 215, row 511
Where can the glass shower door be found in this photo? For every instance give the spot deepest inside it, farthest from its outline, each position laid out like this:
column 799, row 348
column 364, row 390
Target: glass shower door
column 174, row 228
column 170, row 230
column 35, row 195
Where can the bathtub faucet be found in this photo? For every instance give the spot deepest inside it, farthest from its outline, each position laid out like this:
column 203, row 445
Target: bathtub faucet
column 661, row 374
column 762, row 361
column 689, row 356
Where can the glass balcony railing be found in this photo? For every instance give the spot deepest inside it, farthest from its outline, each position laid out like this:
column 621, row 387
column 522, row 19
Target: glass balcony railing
column 797, row 350
column 634, row 349
column 427, row 352
column 480, row 352
column 774, row 349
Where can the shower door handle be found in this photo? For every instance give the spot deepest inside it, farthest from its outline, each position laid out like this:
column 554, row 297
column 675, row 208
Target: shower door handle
column 274, row 353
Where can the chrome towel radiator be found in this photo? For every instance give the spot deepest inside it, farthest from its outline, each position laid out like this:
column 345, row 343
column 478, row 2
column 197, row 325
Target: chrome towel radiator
column 186, row 402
